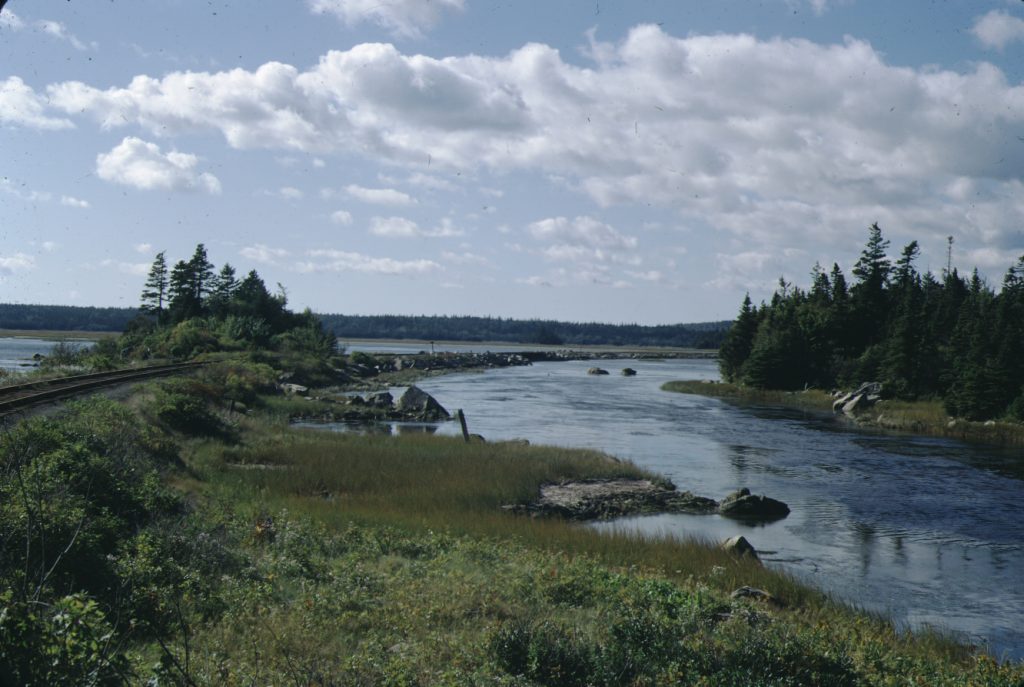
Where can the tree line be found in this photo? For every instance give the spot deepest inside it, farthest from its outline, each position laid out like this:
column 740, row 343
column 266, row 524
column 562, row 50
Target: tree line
column 949, row 337
column 535, row 331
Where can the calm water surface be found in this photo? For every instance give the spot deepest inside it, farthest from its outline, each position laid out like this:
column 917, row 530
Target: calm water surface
column 925, row 530
column 16, row 352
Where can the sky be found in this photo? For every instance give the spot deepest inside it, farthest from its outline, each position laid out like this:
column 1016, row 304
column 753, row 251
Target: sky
column 647, row 161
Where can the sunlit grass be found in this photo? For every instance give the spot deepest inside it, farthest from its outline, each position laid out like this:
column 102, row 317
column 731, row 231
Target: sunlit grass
column 440, row 483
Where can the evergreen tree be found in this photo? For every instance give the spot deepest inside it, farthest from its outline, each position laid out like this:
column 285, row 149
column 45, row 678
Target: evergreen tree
column 201, row 271
column 738, row 342
column 154, row 293
column 869, row 292
column 182, row 301
column 222, row 290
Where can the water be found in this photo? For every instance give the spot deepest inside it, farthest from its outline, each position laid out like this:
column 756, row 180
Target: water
column 925, row 530
column 405, row 348
column 16, row 352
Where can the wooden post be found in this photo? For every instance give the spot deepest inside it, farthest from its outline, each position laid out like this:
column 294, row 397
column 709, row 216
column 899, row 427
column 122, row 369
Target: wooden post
column 462, row 421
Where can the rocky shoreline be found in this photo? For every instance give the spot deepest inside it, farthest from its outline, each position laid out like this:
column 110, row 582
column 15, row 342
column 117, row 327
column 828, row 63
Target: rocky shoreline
column 604, row 499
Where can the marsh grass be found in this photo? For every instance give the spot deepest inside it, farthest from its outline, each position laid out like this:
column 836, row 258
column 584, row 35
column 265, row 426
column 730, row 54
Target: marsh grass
column 811, row 399
column 444, row 484
column 393, row 562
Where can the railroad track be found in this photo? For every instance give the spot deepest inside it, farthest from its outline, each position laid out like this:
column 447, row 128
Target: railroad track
column 19, row 396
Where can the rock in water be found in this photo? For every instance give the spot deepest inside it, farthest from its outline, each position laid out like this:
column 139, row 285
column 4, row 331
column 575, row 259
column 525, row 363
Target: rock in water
column 739, row 546
column 628, row 372
column 597, row 371
column 743, row 505
column 418, row 404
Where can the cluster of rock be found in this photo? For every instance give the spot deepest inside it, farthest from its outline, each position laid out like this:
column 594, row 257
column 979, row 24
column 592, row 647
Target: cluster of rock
column 610, row 498
column 855, row 402
column 414, row 404
column 626, row 371
column 449, row 361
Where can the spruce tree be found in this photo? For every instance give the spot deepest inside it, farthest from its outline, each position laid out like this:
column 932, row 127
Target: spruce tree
column 154, row 293
column 738, row 342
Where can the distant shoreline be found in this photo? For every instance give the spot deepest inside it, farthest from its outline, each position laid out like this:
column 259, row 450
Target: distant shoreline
column 55, row 334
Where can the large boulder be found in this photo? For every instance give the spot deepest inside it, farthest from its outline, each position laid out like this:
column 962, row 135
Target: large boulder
column 381, row 399
column 628, row 372
column 740, row 547
column 418, row 404
column 597, row 371
column 865, row 396
column 745, row 506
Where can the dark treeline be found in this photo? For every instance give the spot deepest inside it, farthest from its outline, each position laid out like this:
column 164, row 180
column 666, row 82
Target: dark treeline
column 953, row 338
column 423, row 327
column 548, row 332
column 65, row 317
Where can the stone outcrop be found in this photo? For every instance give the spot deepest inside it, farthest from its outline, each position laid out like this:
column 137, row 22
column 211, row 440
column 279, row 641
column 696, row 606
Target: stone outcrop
column 418, row 404
column 756, row 594
column 858, row 401
column 610, row 498
column 745, row 506
column 381, row 399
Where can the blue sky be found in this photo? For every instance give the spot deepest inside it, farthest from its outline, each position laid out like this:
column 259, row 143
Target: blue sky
column 645, row 161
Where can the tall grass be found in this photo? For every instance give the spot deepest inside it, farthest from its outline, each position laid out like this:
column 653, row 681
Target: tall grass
column 408, row 562
column 440, row 483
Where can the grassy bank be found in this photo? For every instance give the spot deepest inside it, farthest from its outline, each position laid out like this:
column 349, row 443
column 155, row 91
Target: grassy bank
column 235, row 550
column 915, row 417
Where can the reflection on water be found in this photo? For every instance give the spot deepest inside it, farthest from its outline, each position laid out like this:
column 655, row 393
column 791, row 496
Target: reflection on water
column 377, row 428
column 924, row 529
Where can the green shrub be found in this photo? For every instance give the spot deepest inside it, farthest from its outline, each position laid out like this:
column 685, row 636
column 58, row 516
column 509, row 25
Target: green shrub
column 364, row 359
column 182, row 405
column 69, row 642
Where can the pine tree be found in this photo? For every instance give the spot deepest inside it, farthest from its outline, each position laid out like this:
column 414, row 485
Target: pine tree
column 154, row 293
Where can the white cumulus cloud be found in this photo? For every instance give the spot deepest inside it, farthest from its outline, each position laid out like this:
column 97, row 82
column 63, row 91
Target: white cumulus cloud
column 329, row 260
column 581, row 231
column 401, row 17
column 997, row 29
column 776, row 142
column 263, row 253
column 18, row 262
column 21, row 105
column 343, row 217
column 72, row 202
column 379, row 196
column 401, row 227
column 138, row 163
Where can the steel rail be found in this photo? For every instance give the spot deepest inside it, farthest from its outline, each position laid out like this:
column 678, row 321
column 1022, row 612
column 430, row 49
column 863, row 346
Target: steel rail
column 20, row 396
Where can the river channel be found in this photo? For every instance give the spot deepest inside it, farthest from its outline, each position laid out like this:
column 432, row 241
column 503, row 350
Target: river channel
column 927, row 531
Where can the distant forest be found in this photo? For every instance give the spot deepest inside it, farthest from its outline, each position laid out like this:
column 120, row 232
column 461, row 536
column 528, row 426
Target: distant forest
column 923, row 336
column 549, row 332
column 425, row 327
